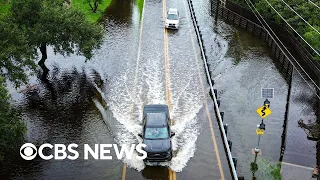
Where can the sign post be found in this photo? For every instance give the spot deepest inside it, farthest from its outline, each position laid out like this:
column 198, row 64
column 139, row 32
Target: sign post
column 263, row 112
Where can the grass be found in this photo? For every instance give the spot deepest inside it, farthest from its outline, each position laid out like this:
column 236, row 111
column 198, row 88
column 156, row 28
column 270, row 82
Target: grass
column 140, row 4
column 268, row 169
column 83, row 6
column 275, row 171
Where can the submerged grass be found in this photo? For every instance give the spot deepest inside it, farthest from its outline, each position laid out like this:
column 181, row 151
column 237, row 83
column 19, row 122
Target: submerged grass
column 84, row 7
column 268, row 169
column 275, row 171
column 140, row 4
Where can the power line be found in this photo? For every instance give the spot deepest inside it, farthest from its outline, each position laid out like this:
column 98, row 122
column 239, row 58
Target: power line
column 284, row 47
column 293, row 28
column 300, row 16
column 314, row 4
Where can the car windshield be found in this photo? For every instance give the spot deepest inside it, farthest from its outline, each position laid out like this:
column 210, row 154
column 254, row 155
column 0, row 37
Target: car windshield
column 156, row 133
column 172, row 17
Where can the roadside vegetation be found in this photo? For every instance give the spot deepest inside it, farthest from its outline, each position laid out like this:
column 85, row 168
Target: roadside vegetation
column 4, row 8
column 275, row 171
column 12, row 128
column 93, row 9
column 306, row 10
column 26, row 28
column 266, row 169
column 140, row 4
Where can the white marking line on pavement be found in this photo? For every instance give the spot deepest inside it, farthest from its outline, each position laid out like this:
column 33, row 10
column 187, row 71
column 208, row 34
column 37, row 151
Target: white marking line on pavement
column 296, row 165
column 205, row 99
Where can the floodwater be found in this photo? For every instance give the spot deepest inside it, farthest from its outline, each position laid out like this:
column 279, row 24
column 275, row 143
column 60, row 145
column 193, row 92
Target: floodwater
column 241, row 65
column 101, row 101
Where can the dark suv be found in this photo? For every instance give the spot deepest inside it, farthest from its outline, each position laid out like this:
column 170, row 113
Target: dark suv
column 157, row 133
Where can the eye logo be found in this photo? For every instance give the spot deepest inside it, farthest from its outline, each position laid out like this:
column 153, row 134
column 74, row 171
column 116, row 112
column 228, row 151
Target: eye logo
column 28, row 151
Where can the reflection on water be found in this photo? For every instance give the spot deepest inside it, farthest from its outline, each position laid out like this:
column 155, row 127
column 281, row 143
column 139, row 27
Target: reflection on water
column 56, row 111
column 241, row 65
column 161, row 173
column 120, row 12
column 299, row 150
column 71, row 91
column 61, row 110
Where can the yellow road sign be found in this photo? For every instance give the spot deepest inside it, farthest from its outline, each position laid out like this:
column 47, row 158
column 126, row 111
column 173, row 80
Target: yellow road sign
column 259, row 131
column 263, row 111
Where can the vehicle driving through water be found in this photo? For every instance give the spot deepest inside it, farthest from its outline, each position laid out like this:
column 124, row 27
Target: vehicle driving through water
column 157, row 133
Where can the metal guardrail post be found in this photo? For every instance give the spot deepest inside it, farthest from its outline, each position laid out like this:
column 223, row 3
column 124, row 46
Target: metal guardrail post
column 225, row 140
column 222, row 114
column 230, row 144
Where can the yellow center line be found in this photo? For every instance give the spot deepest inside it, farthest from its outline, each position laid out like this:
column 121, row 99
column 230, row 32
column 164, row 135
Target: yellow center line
column 205, row 100
column 124, row 171
column 166, row 61
column 172, row 174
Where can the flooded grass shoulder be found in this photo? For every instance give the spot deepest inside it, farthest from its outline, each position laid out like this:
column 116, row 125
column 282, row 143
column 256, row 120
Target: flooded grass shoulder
column 241, row 42
column 84, row 7
column 140, row 4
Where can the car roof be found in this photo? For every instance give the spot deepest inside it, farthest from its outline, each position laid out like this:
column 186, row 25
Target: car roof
column 173, row 11
column 158, row 119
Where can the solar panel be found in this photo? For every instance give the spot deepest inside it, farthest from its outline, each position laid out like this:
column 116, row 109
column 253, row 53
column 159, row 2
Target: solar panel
column 267, row 93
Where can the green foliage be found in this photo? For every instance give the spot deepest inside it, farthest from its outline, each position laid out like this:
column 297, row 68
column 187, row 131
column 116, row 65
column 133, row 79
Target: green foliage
column 275, row 171
column 305, row 9
column 4, row 8
column 140, row 4
column 15, row 53
column 94, row 4
column 83, row 6
column 34, row 23
column 312, row 38
column 266, row 169
column 12, row 129
column 65, row 29
column 29, row 25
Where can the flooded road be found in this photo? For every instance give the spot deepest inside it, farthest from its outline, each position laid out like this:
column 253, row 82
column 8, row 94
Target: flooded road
column 241, row 65
column 101, row 101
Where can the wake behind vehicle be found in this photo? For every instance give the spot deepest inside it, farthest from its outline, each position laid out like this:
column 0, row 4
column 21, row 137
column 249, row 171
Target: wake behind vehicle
column 172, row 19
column 157, row 133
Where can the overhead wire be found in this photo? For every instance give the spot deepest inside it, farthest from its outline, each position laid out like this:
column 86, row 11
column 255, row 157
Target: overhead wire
column 314, row 4
column 300, row 16
column 292, row 28
column 284, row 47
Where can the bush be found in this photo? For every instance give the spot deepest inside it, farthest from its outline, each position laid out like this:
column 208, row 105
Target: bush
column 12, row 128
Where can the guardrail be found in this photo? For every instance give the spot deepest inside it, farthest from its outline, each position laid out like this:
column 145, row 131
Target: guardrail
column 214, row 94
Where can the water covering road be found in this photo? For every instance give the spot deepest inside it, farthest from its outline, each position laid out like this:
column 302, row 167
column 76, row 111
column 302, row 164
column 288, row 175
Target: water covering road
column 241, row 65
column 129, row 72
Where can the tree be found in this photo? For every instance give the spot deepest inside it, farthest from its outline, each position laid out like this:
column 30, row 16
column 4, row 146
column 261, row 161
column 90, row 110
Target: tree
column 12, row 129
column 95, row 5
column 309, row 12
column 15, row 54
column 50, row 23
